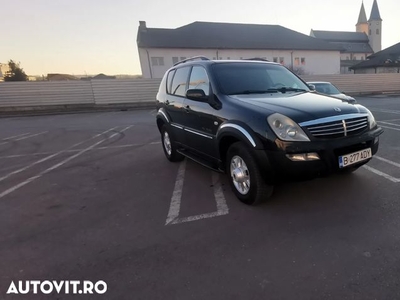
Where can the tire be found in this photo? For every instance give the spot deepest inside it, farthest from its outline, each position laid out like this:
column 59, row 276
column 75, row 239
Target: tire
column 251, row 188
column 168, row 146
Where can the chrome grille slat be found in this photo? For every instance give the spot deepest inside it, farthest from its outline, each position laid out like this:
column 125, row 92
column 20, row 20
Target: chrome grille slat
column 354, row 129
column 338, row 128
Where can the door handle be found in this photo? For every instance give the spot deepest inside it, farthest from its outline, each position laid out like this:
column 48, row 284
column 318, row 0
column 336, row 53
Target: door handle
column 187, row 108
column 167, row 102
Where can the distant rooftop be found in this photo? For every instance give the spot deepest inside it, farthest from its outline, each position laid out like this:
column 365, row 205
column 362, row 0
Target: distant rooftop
column 340, row 36
column 208, row 35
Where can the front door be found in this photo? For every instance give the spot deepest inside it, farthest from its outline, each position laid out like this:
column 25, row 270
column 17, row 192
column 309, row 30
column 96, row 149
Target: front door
column 200, row 122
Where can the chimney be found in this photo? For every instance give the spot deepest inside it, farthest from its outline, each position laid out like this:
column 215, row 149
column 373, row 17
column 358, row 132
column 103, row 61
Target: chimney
column 142, row 26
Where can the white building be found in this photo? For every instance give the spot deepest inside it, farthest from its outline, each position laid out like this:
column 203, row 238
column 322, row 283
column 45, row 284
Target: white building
column 159, row 49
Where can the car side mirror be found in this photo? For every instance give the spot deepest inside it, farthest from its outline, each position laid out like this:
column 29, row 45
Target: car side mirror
column 312, row 87
column 196, row 95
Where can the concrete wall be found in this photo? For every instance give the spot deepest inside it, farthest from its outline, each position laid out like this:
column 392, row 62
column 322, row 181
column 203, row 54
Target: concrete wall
column 143, row 91
column 316, row 62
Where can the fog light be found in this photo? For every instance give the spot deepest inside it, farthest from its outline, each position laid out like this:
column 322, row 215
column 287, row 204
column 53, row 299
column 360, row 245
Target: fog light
column 303, row 156
column 376, row 140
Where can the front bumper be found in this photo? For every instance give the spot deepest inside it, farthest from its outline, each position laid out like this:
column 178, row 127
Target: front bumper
column 280, row 168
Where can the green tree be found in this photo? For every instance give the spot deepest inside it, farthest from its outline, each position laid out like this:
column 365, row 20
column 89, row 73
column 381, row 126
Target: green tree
column 15, row 73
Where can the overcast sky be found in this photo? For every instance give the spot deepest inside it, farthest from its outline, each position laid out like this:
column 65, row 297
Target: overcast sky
column 99, row 36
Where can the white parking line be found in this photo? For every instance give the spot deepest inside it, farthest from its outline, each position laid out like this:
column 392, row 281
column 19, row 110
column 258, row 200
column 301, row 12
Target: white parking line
column 29, row 136
column 52, row 156
column 174, row 209
column 388, row 161
column 15, row 136
column 387, row 123
column 396, row 112
column 175, row 205
column 16, row 187
column 387, row 127
column 77, row 150
column 384, row 175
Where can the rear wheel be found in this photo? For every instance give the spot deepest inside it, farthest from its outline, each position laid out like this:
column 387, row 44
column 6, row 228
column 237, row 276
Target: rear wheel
column 245, row 177
column 169, row 146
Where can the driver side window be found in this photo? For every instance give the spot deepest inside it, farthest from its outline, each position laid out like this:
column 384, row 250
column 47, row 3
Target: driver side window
column 199, row 80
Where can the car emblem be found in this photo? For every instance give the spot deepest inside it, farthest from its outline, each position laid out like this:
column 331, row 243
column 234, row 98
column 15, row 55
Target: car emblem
column 337, row 109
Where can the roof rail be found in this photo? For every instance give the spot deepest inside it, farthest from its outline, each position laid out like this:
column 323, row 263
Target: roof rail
column 190, row 59
column 256, row 58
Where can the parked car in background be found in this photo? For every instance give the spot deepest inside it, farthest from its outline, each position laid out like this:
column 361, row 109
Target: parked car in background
column 328, row 88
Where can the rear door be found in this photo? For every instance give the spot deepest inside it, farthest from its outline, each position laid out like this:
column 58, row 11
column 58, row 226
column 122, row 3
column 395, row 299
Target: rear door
column 176, row 91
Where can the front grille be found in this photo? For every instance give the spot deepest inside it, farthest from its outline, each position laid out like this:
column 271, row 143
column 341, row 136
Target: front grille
column 338, row 128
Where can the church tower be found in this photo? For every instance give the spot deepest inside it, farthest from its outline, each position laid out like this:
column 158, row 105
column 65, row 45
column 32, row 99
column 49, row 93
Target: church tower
column 362, row 24
column 375, row 28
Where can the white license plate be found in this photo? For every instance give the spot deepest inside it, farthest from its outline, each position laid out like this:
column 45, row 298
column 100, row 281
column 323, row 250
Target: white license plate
column 355, row 157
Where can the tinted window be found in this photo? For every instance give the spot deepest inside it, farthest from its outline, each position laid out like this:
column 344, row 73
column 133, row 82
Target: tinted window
column 179, row 81
column 169, row 80
column 236, row 78
column 199, row 80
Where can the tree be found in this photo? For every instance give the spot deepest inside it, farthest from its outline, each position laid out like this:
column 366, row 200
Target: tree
column 15, row 72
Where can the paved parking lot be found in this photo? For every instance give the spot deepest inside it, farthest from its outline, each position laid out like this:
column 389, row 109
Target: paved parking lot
column 92, row 197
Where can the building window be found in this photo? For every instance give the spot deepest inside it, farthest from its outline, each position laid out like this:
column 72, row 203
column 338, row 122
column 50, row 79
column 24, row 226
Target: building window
column 354, row 57
column 377, row 31
column 362, row 57
column 183, row 58
column 157, row 61
column 228, row 57
column 214, row 58
column 297, row 61
column 175, row 60
column 220, row 58
column 303, row 61
column 275, row 59
column 281, row 60
column 347, row 58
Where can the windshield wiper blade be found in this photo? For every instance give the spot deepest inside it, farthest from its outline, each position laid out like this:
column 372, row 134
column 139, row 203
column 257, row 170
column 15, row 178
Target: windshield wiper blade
column 287, row 89
column 247, row 92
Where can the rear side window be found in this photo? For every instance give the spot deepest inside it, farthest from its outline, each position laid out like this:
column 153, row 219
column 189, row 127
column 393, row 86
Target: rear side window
column 170, row 76
column 199, row 80
column 178, row 87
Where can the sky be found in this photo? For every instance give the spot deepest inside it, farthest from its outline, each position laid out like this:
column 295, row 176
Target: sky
column 99, row 36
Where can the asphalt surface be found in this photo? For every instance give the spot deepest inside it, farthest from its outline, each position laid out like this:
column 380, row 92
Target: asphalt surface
column 88, row 197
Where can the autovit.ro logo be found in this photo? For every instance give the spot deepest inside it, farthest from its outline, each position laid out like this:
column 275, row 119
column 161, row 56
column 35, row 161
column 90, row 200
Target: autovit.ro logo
column 59, row 287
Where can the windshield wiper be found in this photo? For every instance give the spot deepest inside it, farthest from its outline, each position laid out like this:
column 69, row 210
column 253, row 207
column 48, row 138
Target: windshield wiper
column 282, row 90
column 247, row 92
column 287, row 89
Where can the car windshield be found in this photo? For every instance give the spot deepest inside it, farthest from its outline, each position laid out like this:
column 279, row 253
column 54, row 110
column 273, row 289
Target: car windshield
column 256, row 78
column 326, row 88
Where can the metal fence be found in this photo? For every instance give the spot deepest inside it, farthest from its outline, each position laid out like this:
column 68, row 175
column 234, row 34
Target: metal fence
column 104, row 92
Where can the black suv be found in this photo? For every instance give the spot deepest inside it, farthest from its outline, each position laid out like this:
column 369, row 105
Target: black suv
column 259, row 123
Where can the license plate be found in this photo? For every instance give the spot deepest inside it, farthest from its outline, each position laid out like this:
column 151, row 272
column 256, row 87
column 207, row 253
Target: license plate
column 355, row 157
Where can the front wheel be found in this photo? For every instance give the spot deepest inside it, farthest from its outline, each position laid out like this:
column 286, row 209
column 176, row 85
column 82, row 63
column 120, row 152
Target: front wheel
column 245, row 177
column 169, row 146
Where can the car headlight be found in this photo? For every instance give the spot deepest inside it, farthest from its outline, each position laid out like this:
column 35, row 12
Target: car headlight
column 371, row 120
column 286, row 129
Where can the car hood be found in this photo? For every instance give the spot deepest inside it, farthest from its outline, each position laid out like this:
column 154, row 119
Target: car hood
column 300, row 107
